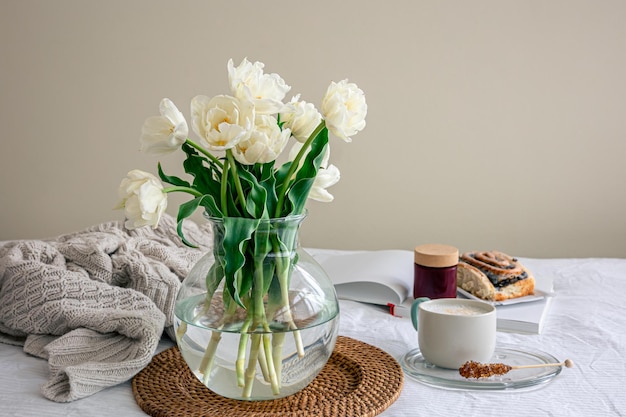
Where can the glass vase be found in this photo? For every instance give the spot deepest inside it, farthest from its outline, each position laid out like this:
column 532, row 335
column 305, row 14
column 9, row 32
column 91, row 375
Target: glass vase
column 264, row 329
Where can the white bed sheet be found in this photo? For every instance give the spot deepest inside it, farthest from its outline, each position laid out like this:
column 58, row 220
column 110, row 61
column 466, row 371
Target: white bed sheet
column 586, row 323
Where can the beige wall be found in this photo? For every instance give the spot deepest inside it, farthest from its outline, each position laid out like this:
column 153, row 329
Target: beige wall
column 491, row 125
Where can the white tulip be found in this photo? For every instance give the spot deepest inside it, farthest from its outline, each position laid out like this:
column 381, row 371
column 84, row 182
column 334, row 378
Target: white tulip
column 248, row 82
column 344, row 109
column 164, row 134
column 222, row 121
column 301, row 117
column 326, row 177
column 266, row 142
column 142, row 199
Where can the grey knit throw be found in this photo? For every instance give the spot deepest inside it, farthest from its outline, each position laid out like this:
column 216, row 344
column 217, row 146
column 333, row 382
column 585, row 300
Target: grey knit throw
column 94, row 303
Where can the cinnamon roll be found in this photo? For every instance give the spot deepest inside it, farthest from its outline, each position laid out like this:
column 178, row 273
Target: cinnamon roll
column 493, row 276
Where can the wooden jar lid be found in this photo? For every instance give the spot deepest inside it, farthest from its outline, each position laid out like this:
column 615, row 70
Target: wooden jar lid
column 436, row 255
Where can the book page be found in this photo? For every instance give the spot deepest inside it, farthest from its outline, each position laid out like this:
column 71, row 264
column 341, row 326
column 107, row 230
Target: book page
column 377, row 277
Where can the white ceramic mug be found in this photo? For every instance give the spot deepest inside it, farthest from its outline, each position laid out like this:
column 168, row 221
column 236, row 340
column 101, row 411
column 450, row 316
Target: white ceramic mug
column 452, row 331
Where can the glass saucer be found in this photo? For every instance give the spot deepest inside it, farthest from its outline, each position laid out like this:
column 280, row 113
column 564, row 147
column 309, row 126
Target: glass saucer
column 416, row 367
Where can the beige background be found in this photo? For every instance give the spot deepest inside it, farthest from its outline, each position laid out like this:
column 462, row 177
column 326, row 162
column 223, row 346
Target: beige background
column 492, row 124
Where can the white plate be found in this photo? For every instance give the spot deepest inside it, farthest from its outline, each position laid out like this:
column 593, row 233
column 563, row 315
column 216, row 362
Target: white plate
column 416, row 367
column 539, row 295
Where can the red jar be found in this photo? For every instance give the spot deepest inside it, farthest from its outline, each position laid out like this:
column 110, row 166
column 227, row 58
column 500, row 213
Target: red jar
column 435, row 271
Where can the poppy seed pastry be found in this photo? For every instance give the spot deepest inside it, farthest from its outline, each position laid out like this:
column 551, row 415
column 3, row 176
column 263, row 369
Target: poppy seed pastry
column 493, row 276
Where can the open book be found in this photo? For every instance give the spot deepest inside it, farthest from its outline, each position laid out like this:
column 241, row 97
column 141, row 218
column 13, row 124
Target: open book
column 385, row 278
column 377, row 277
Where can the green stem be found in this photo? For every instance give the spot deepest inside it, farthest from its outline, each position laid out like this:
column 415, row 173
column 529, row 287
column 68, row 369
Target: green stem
column 209, row 356
column 263, row 365
column 233, row 168
column 241, row 351
column 260, row 318
column 284, row 292
column 283, row 264
column 216, row 336
column 267, row 345
column 224, row 188
column 257, row 293
column 294, row 166
column 278, row 339
column 255, row 344
column 204, row 152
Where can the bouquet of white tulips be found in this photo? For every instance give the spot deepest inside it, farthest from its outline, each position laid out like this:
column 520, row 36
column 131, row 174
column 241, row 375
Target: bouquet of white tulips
column 235, row 178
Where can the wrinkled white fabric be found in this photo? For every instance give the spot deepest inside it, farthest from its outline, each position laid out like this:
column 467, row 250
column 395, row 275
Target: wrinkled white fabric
column 93, row 303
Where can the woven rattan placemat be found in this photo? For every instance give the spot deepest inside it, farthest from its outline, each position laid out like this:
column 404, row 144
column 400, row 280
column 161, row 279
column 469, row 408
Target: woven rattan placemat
column 359, row 380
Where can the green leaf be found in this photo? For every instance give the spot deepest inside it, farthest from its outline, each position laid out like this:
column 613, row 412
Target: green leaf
column 244, row 279
column 203, row 170
column 187, row 209
column 305, row 176
column 268, row 181
column 283, row 246
column 237, row 231
column 262, row 247
column 228, row 193
column 214, row 277
column 256, row 194
column 281, row 174
column 171, row 179
column 274, row 294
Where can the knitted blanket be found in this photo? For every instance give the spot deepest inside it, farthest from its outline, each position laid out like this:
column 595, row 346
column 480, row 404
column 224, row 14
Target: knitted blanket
column 94, row 303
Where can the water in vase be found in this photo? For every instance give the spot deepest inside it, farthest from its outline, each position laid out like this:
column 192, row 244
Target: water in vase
column 217, row 369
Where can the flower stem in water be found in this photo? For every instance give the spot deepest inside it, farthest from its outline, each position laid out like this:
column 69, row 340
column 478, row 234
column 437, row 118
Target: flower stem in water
column 277, row 352
column 251, row 369
column 209, row 356
column 241, row 352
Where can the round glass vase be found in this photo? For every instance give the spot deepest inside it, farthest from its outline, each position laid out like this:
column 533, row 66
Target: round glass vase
column 274, row 337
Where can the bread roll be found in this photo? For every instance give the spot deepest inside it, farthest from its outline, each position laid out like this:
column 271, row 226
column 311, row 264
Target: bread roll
column 493, row 276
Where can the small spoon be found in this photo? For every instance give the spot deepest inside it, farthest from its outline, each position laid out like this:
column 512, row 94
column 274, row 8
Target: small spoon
column 473, row 369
